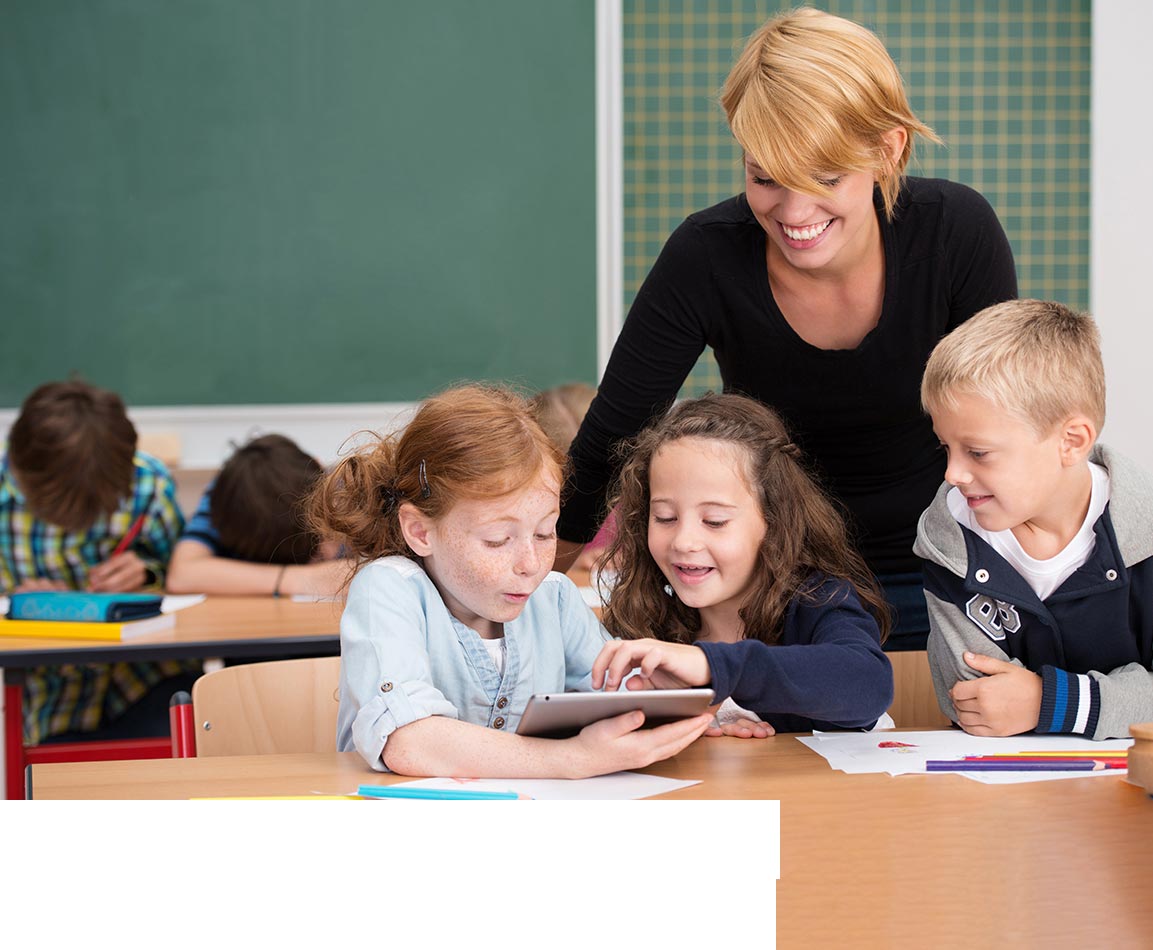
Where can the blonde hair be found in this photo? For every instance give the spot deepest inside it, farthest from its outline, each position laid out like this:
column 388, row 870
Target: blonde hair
column 805, row 534
column 1036, row 359
column 813, row 93
column 471, row 442
column 561, row 409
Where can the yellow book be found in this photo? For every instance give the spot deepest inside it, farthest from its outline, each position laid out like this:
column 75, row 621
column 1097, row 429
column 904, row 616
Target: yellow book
column 85, row 630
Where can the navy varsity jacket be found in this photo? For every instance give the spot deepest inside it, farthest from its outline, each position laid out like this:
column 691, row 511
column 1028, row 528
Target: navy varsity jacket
column 1091, row 640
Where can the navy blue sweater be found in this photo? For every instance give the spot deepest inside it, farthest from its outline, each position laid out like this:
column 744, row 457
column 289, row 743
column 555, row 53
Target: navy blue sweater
column 827, row 670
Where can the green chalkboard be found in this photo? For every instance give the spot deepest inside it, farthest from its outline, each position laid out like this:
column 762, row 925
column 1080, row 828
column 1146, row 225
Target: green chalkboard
column 295, row 201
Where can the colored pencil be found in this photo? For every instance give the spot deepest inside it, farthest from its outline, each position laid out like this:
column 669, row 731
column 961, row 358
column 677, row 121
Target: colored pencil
column 1072, row 765
column 1109, row 753
column 127, row 540
column 432, row 794
column 1111, row 761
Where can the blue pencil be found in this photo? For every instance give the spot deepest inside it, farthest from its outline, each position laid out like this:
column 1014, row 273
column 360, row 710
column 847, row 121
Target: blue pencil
column 432, row 794
column 1073, row 765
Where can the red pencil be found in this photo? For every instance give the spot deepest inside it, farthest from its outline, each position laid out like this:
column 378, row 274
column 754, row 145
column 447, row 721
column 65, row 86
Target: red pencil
column 127, row 540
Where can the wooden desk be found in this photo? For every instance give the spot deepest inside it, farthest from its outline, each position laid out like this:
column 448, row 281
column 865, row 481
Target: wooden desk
column 227, row 627
column 866, row 860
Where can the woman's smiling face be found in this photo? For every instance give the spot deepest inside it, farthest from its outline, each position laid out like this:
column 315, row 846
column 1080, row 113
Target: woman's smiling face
column 812, row 232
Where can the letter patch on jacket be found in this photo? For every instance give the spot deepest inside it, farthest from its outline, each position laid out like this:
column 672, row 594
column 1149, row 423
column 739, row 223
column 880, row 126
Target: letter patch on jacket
column 995, row 617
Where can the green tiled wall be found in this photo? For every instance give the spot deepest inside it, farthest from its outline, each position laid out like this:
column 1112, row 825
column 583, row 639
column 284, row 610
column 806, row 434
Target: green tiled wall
column 1005, row 84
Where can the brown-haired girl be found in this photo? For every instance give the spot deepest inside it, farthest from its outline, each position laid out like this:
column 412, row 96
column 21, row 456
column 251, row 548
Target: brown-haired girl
column 731, row 556
column 453, row 619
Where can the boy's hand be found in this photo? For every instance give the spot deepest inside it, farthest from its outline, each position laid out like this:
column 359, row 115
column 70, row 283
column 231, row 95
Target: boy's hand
column 34, row 584
column 120, row 573
column 1004, row 702
column 662, row 665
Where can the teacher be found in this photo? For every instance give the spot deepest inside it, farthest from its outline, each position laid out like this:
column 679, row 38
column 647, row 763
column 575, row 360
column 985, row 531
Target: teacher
column 821, row 291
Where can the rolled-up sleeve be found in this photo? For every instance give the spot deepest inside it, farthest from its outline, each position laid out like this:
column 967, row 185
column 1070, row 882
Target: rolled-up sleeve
column 386, row 674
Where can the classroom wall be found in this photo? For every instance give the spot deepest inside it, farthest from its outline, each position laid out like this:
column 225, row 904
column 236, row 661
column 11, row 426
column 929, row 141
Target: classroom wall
column 1122, row 211
column 1112, row 286
column 296, row 201
column 1005, row 84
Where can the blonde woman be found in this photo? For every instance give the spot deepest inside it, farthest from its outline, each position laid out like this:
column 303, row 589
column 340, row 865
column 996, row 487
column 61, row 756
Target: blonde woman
column 821, row 291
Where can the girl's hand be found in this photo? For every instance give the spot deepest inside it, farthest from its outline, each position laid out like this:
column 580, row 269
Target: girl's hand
column 742, row 729
column 661, row 665
column 618, row 743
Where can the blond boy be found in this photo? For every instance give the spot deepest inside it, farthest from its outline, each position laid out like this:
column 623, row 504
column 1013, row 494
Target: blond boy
column 1038, row 549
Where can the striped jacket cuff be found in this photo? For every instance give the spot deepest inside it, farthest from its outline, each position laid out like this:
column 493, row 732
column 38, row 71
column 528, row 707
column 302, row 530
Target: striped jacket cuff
column 1070, row 702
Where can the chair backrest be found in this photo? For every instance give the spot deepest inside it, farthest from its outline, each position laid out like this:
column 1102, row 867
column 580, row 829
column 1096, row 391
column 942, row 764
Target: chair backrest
column 914, row 700
column 259, row 708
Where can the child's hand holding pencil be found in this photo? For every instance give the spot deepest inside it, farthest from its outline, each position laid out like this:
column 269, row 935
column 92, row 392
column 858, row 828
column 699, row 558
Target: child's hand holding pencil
column 124, row 570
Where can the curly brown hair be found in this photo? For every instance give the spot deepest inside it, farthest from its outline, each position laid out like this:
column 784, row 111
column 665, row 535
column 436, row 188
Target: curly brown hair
column 805, row 534
column 474, row 441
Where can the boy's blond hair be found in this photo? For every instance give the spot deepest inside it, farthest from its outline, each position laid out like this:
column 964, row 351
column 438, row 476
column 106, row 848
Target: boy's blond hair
column 1036, row 359
column 813, row 93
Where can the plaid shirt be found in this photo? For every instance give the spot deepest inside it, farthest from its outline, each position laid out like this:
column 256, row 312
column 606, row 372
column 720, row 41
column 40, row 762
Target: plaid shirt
column 82, row 697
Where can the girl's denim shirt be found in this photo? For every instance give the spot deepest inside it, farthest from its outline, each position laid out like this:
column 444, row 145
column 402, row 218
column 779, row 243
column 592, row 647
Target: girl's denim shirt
column 405, row 657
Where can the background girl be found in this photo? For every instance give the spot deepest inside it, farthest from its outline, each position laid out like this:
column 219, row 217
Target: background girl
column 735, row 560
column 452, row 620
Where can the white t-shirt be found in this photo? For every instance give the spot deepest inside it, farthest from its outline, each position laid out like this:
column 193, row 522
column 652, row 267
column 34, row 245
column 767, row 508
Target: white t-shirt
column 497, row 649
column 1047, row 575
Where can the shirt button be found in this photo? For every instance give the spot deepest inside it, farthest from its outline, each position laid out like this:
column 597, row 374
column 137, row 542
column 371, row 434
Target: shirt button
column 982, row 576
column 1110, row 575
column 498, row 722
column 502, row 702
column 386, row 687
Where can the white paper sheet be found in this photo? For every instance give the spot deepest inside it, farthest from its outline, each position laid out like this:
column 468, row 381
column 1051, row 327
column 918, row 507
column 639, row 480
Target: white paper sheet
column 905, row 753
column 175, row 602
column 619, row 785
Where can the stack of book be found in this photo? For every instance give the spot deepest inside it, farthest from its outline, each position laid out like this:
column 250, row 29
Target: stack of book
column 79, row 615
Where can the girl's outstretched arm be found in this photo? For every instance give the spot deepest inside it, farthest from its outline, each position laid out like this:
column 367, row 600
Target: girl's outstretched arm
column 439, row 746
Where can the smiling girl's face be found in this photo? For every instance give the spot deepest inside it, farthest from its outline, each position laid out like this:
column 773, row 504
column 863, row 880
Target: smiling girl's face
column 705, row 528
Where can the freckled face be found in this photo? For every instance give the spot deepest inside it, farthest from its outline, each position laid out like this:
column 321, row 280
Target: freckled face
column 488, row 556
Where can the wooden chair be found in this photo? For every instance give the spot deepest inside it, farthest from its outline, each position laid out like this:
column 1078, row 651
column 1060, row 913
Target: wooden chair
column 914, row 700
column 258, row 708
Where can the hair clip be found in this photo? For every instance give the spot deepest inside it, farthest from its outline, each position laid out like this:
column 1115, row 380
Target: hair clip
column 425, row 490
column 389, row 500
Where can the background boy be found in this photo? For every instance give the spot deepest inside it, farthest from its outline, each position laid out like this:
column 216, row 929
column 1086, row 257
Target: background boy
column 72, row 486
column 1038, row 549
column 249, row 534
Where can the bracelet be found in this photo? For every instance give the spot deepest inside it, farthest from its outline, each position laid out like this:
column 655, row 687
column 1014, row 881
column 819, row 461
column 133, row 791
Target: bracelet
column 279, row 578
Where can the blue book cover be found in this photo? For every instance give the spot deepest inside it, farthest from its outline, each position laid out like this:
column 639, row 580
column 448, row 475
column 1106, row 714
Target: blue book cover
column 82, row 606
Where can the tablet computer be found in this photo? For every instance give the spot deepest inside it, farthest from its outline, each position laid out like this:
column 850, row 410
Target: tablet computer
column 560, row 715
